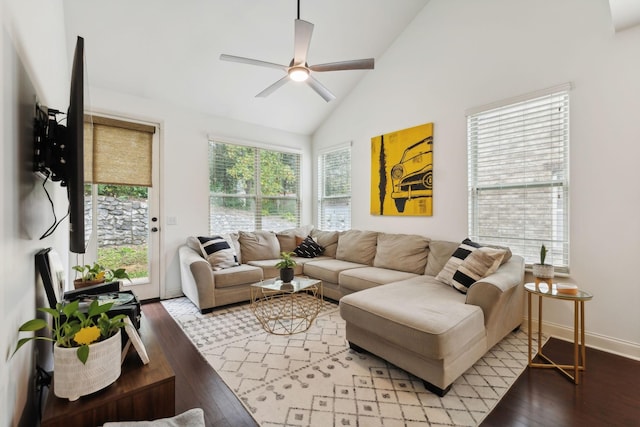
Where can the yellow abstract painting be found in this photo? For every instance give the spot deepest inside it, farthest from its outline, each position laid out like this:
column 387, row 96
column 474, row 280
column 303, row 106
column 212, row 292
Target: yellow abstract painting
column 402, row 172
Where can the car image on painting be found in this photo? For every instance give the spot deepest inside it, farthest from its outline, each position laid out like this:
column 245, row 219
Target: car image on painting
column 412, row 177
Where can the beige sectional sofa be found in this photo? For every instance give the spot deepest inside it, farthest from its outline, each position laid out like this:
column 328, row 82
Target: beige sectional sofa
column 415, row 302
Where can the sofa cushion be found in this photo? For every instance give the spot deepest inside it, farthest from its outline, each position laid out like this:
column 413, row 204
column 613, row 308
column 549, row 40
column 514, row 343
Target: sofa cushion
column 357, row 279
column 269, row 270
column 328, row 270
column 357, row 246
column 289, row 239
column 241, row 275
column 218, row 251
column 308, row 248
column 403, row 252
column 257, row 245
column 478, row 264
column 439, row 253
column 328, row 240
column 418, row 314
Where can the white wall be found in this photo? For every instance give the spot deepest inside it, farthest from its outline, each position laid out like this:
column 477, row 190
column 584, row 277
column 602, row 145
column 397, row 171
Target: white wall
column 33, row 62
column 462, row 54
column 184, row 163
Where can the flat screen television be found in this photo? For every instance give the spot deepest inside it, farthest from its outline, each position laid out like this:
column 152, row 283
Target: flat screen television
column 59, row 150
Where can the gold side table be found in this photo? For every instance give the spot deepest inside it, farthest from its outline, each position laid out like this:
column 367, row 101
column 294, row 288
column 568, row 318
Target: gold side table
column 287, row 308
column 544, row 290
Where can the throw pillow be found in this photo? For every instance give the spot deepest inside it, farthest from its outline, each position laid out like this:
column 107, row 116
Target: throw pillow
column 480, row 263
column 328, row 240
column 464, row 249
column 308, row 248
column 291, row 238
column 218, row 252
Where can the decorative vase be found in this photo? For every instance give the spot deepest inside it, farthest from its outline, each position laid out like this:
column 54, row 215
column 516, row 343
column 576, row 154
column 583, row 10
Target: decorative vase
column 543, row 271
column 79, row 283
column 73, row 379
column 286, row 275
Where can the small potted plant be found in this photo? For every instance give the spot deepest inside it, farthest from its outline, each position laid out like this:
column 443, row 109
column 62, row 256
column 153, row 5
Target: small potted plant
column 542, row 270
column 286, row 265
column 87, row 346
column 96, row 273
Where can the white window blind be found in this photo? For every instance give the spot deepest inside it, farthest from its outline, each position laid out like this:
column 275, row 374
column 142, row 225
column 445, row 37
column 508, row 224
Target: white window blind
column 252, row 188
column 519, row 176
column 334, row 189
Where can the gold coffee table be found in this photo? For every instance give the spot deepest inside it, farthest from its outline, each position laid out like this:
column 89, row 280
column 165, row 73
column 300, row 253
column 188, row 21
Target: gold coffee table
column 286, row 308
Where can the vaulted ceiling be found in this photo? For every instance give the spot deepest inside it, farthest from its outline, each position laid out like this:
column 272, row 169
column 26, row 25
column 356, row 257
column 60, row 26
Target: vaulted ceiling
column 168, row 50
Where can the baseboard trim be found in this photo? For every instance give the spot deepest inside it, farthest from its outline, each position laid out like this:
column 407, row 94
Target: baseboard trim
column 599, row 342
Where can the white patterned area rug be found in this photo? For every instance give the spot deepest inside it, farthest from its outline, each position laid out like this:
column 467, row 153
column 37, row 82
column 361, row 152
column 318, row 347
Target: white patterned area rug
column 314, row 379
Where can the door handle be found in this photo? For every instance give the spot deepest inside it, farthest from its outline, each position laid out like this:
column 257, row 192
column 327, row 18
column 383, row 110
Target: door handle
column 154, row 229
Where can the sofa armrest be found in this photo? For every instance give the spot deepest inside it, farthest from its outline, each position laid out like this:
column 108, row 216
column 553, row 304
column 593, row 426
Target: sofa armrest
column 196, row 277
column 500, row 296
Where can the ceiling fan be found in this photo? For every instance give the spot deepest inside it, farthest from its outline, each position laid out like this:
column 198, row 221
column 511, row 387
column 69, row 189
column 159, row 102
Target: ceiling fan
column 298, row 69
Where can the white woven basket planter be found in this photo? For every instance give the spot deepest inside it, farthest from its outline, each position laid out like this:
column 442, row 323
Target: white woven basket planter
column 72, row 379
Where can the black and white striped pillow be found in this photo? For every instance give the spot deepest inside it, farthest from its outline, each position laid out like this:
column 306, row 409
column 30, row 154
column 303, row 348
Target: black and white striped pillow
column 480, row 263
column 218, row 252
column 450, row 268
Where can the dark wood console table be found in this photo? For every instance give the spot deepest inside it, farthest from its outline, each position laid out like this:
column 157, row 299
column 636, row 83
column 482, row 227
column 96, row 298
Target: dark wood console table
column 143, row 392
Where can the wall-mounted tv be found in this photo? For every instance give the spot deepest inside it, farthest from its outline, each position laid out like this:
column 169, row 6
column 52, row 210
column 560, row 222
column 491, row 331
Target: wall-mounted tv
column 59, row 150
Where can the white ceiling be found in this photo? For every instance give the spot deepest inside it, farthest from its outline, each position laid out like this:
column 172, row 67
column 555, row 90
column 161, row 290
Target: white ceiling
column 168, row 50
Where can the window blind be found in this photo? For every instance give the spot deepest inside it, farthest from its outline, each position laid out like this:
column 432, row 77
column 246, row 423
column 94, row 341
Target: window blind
column 117, row 152
column 334, row 189
column 518, row 157
column 252, row 188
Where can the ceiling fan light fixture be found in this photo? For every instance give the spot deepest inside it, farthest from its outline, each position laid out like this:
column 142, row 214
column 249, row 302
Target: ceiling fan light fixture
column 298, row 74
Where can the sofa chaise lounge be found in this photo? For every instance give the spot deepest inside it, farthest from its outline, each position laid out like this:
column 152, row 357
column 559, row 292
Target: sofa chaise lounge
column 430, row 307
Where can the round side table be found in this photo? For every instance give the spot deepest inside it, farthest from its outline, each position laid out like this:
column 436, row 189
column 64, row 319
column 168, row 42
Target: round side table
column 578, row 296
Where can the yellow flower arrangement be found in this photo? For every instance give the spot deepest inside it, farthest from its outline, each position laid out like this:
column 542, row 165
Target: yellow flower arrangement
column 75, row 328
column 87, row 335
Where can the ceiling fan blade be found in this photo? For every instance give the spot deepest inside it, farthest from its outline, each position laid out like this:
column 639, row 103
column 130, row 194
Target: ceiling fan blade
column 268, row 91
column 320, row 89
column 302, row 40
column 243, row 60
column 356, row 64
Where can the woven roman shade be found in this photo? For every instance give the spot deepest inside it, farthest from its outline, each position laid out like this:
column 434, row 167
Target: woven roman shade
column 117, row 152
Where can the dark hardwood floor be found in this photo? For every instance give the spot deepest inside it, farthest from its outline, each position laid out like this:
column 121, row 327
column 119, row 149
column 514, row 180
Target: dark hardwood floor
column 609, row 393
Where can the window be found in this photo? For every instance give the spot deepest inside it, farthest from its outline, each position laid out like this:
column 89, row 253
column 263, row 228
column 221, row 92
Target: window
column 519, row 175
column 252, row 188
column 334, row 189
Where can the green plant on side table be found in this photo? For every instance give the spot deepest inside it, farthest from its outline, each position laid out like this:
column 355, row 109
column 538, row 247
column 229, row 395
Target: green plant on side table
column 542, row 270
column 87, row 346
column 286, row 265
column 96, row 273
column 73, row 328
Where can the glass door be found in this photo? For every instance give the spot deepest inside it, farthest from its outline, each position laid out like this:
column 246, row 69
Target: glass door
column 122, row 219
